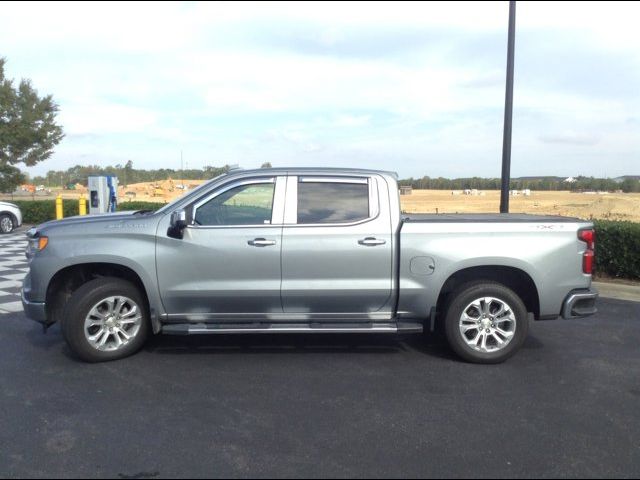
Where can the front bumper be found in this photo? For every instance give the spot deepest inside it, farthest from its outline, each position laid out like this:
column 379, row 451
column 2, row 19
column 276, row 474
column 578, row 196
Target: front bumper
column 580, row 303
column 34, row 310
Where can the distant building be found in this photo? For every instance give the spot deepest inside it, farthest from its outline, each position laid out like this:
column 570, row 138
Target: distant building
column 406, row 189
column 570, row 180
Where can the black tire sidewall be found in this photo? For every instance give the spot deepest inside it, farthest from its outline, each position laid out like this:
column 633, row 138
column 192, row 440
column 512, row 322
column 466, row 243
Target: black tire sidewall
column 13, row 223
column 78, row 306
column 466, row 294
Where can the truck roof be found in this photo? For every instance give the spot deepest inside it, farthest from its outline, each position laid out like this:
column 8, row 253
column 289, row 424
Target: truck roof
column 315, row 170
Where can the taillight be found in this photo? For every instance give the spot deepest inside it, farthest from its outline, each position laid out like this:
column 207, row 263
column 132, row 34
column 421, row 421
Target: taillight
column 589, row 237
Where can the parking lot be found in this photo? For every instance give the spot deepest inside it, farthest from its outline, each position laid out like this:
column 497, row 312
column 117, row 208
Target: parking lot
column 321, row 406
column 326, row 406
column 13, row 268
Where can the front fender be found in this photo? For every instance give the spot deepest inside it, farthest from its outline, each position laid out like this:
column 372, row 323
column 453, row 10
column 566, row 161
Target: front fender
column 70, row 247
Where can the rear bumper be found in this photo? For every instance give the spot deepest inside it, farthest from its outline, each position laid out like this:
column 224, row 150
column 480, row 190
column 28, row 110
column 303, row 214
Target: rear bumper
column 580, row 303
column 34, row 310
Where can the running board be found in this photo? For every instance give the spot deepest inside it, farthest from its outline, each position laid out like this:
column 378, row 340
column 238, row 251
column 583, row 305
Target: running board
column 220, row 328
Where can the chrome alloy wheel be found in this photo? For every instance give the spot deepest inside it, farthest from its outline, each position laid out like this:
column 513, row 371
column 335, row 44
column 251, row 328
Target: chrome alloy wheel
column 487, row 324
column 112, row 323
column 6, row 224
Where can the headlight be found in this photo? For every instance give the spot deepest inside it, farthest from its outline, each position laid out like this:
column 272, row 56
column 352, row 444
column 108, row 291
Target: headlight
column 36, row 245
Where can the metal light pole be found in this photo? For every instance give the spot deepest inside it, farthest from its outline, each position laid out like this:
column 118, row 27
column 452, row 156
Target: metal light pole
column 508, row 112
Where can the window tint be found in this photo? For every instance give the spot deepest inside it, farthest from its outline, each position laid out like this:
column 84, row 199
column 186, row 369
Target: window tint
column 242, row 205
column 325, row 202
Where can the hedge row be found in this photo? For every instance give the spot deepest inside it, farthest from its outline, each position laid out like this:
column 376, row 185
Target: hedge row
column 39, row 211
column 617, row 243
column 618, row 249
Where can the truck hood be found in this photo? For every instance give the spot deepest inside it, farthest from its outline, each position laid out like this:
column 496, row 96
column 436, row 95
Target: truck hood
column 87, row 219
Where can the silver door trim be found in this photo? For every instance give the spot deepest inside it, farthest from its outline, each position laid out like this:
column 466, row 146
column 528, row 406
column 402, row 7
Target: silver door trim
column 279, row 196
column 329, row 179
column 291, row 201
column 279, row 316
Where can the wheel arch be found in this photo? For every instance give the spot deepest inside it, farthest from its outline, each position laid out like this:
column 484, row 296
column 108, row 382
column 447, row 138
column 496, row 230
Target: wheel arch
column 512, row 277
column 69, row 278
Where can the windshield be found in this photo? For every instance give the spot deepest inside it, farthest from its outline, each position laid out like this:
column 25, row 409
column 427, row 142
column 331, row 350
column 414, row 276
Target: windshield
column 170, row 205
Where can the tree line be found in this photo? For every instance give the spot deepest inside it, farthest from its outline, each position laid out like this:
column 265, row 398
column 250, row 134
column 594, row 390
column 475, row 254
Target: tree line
column 127, row 174
column 580, row 183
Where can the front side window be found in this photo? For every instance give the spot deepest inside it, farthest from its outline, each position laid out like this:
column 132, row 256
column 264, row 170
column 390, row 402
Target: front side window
column 242, row 205
column 328, row 202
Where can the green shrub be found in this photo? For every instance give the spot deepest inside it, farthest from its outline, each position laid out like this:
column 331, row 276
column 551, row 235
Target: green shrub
column 39, row 211
column 618, row 248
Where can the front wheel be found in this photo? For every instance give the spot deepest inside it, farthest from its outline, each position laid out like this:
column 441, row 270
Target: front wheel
column 105, row 319
column 486, row 322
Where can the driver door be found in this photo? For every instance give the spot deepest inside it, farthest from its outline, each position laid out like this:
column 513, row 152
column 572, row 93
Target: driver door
column 227, row 265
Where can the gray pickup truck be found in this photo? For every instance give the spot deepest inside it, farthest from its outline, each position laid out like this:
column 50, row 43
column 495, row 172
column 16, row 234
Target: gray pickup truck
column 305, row 250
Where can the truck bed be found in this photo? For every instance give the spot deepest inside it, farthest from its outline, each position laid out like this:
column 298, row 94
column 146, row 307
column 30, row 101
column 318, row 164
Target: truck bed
column 485, row 218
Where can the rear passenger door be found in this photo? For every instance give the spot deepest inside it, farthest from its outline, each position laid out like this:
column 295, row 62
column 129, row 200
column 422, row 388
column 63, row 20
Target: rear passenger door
column 337, row 247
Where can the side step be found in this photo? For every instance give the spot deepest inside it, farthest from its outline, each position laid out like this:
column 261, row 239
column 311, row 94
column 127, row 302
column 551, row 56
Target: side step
column 220, row 328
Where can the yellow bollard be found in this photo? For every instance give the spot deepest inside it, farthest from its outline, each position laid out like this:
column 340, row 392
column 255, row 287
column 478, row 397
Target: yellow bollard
column 59, row 213
column 82, row 206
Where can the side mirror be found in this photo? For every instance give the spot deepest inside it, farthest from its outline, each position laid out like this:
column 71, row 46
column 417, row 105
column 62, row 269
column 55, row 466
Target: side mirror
column 179, row 219
column 177, row 224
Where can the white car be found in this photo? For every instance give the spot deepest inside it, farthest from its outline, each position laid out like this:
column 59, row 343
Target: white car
column 10, row 217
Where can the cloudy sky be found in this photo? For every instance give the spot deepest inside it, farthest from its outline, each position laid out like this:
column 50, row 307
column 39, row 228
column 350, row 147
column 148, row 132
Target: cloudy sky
column 413, row 87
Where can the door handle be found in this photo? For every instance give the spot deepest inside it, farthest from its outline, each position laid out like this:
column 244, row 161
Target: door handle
column 261, row 242
column 371, row 242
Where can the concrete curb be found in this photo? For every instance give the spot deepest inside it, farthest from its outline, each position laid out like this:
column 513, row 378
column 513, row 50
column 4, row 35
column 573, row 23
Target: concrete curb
column 618, row 291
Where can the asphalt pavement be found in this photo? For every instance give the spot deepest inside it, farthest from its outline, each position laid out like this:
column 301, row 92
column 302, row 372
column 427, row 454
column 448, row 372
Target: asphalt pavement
column 567, row 405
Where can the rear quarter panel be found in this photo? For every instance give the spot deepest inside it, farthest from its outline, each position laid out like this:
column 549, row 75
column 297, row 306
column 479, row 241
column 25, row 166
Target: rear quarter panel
column 550, row 253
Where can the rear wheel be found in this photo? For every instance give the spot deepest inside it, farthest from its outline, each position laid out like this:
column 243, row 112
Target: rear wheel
column 105, row 319
column 6, row 223
column 486, row 322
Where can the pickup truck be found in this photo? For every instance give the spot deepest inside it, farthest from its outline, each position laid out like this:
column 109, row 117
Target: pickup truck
column 305, row 250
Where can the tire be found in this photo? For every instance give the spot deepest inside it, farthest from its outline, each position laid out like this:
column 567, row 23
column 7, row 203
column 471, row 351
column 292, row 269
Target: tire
column 107, row 305
column 7, row 225
column 476, row 338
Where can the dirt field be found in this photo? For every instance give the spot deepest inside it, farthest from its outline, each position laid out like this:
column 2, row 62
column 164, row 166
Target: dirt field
column 613, row 206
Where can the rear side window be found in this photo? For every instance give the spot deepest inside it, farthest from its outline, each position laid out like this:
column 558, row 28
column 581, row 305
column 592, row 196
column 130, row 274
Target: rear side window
column 327, row 202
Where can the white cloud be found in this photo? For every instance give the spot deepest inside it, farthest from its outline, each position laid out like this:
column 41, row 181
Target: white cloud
column 345, row 120
column 288, row 79
column 103, row 119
